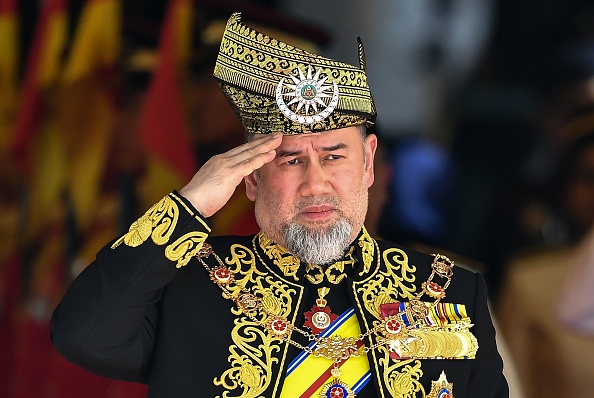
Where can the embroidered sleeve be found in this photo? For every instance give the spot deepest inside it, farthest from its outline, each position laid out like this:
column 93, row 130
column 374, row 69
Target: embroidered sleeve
column 171, row 223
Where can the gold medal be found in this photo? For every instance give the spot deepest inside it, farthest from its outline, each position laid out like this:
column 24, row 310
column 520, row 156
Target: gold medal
column 336, row 388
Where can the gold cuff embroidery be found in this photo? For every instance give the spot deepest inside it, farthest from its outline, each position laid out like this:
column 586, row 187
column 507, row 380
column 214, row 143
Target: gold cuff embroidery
column 158, row 223
column 186, row 247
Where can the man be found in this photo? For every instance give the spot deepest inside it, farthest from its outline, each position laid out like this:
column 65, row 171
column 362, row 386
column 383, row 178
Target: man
column 310, row 306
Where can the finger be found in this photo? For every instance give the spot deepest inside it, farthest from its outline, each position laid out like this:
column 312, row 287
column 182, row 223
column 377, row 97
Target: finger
column 260, row 142
column 253, row 163
column 253, row 152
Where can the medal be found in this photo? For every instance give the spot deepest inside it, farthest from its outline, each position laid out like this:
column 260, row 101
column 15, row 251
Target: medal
column 336, row 388
column 441, row 388
column 320, row 316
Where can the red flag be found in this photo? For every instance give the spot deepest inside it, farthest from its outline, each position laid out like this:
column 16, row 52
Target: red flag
column 43, row 66
column 163, row 126
column 37, row 140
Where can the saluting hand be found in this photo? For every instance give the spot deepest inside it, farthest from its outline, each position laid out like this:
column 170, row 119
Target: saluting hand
column 213, row 185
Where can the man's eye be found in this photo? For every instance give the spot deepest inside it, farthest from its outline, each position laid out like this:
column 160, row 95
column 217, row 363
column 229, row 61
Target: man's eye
column 292, row 161
column 333, row 157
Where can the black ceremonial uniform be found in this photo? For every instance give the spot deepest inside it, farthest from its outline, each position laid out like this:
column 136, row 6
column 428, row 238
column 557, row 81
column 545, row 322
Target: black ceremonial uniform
column 147, row 310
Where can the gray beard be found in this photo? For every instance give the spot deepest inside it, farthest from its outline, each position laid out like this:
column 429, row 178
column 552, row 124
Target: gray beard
column 318, row 246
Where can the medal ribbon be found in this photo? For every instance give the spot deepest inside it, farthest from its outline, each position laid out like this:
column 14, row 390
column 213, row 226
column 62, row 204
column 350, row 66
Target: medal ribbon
column 441, row 314
column 306, row 374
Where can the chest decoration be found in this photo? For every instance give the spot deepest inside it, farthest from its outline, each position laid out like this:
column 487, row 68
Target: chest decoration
column 441, row 388
column 320, row 316
column 404, row 331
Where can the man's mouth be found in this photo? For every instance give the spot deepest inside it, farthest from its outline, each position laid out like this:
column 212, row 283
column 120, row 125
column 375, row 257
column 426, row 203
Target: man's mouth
column 317, row 212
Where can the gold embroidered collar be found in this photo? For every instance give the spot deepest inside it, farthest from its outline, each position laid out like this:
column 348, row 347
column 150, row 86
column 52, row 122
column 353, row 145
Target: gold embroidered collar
column 290, row 266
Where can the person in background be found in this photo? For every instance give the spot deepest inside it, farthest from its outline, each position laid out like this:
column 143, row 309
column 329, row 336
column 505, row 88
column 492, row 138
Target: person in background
column 552, row 360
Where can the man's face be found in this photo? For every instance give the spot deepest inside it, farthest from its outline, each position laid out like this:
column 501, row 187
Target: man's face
column 316, row 184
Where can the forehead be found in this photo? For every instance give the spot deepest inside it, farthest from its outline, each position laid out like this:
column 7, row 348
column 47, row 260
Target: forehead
column 347, row 135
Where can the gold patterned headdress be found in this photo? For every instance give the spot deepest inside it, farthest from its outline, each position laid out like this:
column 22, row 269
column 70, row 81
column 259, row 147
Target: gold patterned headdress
column 275, row 87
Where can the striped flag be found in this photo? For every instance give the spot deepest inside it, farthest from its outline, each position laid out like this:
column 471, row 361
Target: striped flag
column 36, row 140
column 88, row 109
column 163, row 126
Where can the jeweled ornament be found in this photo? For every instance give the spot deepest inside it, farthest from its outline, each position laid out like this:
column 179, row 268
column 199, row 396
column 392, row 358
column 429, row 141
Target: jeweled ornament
column 221, row 275
column 336, row 389
column 320, row 316
column 307, row 92
column 433, row 290
column 278, row 327
column 441, row 388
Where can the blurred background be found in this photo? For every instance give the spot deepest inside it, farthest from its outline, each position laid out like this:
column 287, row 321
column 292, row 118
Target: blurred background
column 486, row 126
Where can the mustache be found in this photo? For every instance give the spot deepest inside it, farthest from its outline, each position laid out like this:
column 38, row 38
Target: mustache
column 316, row 200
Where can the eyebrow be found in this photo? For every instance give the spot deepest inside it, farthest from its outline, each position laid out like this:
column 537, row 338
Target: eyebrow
column 289, row 153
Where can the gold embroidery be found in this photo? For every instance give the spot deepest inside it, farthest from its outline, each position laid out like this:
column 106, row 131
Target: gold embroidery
column 389, row 286
column 158, row 223
column 314, row 273
column 251, row 362
column 252, row 354
column 334, row 273
column 241, row 263
column 405, row 383
column 190, row 211
column 184, row 248
column 367, row 245
column 280, row 256
column 250, row 375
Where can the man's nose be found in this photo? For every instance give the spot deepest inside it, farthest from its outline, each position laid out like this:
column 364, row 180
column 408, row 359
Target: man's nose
column 315, row 180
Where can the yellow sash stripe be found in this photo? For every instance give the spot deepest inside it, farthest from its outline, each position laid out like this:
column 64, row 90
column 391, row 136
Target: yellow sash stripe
column 310, row 369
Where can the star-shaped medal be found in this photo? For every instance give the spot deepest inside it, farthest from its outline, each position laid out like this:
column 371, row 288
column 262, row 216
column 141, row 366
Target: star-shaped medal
column 320, row 316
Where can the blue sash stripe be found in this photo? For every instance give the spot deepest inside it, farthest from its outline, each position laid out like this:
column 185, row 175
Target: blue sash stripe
column 333, row 326
column 362, row 383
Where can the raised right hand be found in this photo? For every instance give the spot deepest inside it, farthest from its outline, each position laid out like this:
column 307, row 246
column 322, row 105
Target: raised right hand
column 213, row 185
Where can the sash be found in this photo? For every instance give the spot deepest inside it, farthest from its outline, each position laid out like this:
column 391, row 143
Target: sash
column 307, row 375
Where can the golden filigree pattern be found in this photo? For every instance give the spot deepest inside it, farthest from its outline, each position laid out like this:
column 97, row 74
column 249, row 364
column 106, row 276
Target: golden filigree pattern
column 251, row 357
column 185, row 247
column 254, row 351
column 367, row 245
column 158, row 223
column 391, row 285
column 334, row 273
column 281, row 257
column 406, row 382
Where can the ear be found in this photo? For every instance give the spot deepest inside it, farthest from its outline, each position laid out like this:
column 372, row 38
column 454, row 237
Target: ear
column 370, row 148
column 251, row 186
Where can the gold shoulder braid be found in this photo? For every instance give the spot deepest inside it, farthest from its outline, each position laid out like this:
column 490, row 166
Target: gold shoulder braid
column 408, row 330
